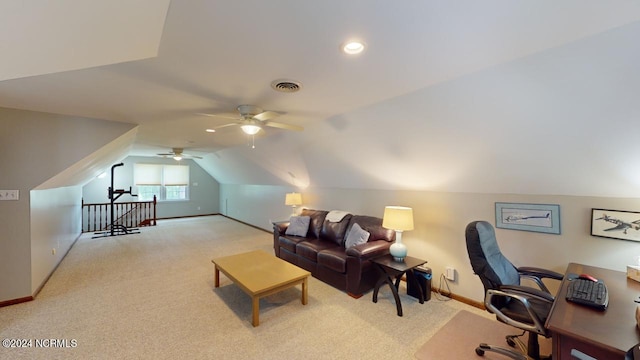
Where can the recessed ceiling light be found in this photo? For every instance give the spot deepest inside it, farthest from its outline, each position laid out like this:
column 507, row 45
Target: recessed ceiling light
column 353, row 47
column 210, row 130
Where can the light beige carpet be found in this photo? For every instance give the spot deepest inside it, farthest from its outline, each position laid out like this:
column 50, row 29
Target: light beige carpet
column 151, row 296
column 459, row 338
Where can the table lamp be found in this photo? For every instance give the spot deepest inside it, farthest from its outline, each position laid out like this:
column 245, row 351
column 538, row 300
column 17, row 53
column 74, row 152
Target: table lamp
column 398, row 218
column 294, row 199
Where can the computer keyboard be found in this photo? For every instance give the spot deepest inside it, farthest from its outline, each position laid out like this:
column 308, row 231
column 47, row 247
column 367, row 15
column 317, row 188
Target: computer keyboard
column 588, row 292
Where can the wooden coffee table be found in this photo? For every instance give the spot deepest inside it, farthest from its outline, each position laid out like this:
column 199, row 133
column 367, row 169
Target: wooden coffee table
column 260, row 274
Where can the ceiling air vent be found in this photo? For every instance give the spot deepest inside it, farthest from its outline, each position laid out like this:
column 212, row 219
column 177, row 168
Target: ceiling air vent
column 287, row 86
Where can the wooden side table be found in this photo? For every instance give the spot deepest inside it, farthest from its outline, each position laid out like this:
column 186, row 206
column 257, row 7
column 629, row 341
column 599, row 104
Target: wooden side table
column 391, row 270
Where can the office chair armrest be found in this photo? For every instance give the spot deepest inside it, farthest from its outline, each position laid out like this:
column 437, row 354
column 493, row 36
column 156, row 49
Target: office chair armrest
column 528, row 291
column 523, row 294
column 537, row 274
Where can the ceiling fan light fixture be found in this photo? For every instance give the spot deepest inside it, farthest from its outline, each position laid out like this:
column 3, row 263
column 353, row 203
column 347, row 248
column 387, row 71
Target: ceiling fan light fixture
column 177, row 158
column 250, row 129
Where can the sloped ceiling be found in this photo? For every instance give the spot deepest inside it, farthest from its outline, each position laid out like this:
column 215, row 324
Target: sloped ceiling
column 42, row 37
column 93, row 165
column 44, row 151
column 499, row 96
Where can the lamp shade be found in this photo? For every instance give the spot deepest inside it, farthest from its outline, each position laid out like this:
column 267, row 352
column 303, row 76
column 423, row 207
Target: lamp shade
column 293, row 199
column 398, row 218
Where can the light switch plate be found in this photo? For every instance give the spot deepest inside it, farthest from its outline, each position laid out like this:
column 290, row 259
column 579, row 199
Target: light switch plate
column 9, row 194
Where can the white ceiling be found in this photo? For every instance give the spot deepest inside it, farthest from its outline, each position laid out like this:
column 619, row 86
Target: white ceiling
column 511, row 93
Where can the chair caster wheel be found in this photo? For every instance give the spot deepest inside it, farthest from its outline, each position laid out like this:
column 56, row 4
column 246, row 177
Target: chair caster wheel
column 481, row 349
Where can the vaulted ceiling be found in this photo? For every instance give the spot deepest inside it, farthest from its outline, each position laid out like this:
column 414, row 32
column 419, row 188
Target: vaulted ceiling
column 500, row 96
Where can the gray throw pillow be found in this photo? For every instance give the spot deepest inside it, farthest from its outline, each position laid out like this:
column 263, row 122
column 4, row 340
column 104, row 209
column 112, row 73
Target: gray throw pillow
column 298, row 226
column 356, row 236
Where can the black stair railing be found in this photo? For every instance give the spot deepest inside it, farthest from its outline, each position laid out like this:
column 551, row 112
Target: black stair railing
column 97, row 216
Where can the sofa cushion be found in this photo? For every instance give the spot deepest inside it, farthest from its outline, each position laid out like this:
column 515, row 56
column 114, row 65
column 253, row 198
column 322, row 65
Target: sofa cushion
column 356, row 236
column 310, row 248
column 289, row 242
column 315, row 222
column 373, row 226
column 298, row 226
column 335, row 231
column 334, row 259
column 289, row 256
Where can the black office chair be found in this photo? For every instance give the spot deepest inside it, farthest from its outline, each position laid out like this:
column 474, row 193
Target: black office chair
column 520, row 306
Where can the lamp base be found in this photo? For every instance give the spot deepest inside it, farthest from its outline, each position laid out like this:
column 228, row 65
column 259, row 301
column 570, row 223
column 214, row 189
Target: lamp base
column 398, row 251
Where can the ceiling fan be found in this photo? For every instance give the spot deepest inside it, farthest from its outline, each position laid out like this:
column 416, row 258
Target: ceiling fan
column 177, row 154
column 253, row 119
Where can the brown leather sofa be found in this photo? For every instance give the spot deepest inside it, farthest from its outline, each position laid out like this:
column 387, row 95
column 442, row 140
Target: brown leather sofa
column 323, row 253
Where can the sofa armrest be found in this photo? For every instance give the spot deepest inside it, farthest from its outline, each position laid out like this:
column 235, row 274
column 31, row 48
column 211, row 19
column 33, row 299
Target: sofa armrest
column 370, row 249
column 280, row 227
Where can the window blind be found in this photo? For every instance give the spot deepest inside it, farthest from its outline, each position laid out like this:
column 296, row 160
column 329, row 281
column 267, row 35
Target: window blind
column 147, row 174
column 176, row 175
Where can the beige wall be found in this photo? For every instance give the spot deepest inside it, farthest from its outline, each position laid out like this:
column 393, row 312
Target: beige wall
column 34, row 147
column 440, row 219
column 55, row 225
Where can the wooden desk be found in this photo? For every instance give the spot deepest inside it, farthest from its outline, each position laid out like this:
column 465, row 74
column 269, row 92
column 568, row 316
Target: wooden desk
column 601, row 335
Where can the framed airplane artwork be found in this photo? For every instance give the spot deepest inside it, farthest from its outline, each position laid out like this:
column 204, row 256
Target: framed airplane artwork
column 544, row 218
column 615, row 224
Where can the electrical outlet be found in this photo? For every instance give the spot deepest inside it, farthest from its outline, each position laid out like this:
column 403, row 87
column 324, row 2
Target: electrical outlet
column 53, row 251
column 450, row 273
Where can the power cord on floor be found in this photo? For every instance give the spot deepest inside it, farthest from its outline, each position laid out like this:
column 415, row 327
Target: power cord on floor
column 440, row 295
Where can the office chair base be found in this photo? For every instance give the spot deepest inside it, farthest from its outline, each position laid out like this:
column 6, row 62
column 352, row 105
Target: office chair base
column 482, row 348
column 511, row 353
column 515, row 341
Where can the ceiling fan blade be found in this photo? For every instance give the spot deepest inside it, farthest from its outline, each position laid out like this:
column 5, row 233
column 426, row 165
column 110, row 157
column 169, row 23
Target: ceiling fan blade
column 167, row 154
column 226, row 125
column 266, row 115
column 282, row 126
column 189, row 156
column 223, row 116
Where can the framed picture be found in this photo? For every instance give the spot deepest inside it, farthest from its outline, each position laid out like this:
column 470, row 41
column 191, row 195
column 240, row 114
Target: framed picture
column 615, row 224
column 542, row 218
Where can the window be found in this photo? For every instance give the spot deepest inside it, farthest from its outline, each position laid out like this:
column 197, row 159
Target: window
column 166, row 182
column 176, row 192
column 146, row 192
